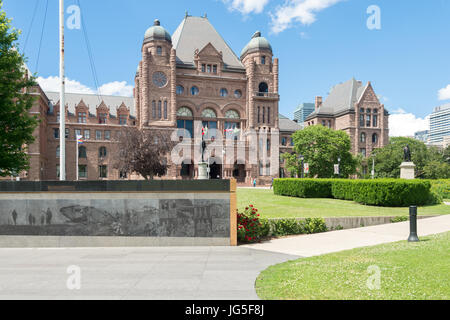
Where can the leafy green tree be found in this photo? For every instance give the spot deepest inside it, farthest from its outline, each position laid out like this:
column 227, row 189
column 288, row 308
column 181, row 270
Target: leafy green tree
column 437, row 170
column 389, row 158
column 16, row 124
column 321, row 148
column 292, row 164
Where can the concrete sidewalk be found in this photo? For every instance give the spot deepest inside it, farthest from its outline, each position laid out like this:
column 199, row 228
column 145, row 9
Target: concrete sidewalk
column 322, row 243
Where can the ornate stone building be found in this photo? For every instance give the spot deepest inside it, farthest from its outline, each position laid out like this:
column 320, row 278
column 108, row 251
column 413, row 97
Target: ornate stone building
column 355, row 109
column 185, row 81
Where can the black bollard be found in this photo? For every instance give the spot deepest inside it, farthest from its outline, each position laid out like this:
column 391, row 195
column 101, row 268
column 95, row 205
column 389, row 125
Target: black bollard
column 413, row 224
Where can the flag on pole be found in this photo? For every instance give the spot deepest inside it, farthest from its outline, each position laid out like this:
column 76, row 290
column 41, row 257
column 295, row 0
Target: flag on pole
column 80, row 139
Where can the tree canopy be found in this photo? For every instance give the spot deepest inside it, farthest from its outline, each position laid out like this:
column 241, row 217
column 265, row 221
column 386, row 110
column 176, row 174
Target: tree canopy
column 144, row 152
column 321, row 147
column 16, row 123
column 431, row 163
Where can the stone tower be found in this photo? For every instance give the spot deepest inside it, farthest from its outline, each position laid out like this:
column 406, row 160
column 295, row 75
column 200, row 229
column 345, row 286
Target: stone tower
column 155, row 91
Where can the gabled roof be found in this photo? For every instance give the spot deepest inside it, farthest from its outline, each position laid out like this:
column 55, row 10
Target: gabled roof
column 93, row 101
column 341, row 98
column 195, row 33
column 288, row 125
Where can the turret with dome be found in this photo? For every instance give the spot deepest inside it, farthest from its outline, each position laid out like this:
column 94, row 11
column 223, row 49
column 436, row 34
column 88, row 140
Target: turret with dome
column 258, row 43
column 156, row 32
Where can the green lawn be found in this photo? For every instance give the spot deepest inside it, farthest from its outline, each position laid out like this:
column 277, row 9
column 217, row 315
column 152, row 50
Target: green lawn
column 408, row 271
column 272, row 206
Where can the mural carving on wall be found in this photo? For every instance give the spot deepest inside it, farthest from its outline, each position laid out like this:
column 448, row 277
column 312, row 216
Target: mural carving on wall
column 127, row 217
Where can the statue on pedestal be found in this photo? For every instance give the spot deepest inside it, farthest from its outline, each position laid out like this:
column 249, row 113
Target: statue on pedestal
column 407, row 153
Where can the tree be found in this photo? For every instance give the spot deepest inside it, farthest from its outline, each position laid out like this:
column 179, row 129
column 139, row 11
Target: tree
column 321, row 148
column 437, row 170
column 144, row 152
column 16, row 123
column 389, row 158
column 292, row 164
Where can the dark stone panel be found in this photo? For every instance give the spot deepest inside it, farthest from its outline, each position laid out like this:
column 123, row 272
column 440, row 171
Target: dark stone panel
column 116, row 186
column 116, row 217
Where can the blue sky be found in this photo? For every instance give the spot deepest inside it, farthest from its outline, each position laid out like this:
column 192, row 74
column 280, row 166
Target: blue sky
column 319, row 43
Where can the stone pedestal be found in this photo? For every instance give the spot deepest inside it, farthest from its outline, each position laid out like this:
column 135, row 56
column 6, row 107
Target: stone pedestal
column 203, row 171
column 407, row 171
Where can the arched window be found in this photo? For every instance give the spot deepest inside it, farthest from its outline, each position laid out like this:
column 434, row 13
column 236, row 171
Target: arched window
column 185, row 112
column 374, row 138
column 180, row 89
column 363, row 137
column 82, row 152
column 165, row 110
column 232, row 114
column 195, row 91
column 263, row 87
column 102, row 152
column 209, row 113
column 159, row 51
column 238, row 94
column 223, row 92
column 159, row 109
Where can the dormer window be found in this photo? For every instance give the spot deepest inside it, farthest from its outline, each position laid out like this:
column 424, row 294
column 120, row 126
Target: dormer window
column 123, row 119
column 203, row 67
column 159, row 51
column 214, row 68
column 208, row 68
column 102, row 118
column 82, row 117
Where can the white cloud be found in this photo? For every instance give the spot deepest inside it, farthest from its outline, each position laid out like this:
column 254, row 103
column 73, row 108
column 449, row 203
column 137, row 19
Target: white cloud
column 246, row 6
column 303, row 11
column 444, row 93
column 404, row 124
column 72, row 86
column 114, row 88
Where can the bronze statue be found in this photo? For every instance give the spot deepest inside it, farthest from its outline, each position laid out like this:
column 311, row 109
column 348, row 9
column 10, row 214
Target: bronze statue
column 407, row 153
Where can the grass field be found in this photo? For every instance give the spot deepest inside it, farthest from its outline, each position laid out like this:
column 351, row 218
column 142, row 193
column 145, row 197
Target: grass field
column 272, row 206
column 407, row 271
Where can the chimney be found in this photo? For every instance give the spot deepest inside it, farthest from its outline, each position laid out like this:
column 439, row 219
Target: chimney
column 318, row 102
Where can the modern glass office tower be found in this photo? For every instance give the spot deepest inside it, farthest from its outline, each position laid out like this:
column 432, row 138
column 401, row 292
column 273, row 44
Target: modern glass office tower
column 302, row 112
column 439, row 124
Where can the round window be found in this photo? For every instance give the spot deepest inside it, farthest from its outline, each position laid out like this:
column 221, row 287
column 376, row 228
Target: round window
column 159, row 79
column 238, row 94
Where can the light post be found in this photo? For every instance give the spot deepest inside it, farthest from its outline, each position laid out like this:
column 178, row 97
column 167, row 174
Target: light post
column 302, row 159
column 339, row 167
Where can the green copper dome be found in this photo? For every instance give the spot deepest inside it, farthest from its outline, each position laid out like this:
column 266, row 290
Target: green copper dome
column 156, row 32
column 256, row 44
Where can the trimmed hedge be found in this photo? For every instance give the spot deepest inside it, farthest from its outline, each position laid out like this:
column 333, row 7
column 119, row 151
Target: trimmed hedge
column 303, row 188
column 379, row 192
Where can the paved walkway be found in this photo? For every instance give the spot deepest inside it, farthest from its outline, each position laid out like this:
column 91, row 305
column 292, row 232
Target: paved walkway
column 322, row 243
column 190, row 273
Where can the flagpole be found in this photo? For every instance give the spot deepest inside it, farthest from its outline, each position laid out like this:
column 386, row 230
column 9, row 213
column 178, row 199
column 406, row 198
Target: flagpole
column 76, row 161
column 62, row 100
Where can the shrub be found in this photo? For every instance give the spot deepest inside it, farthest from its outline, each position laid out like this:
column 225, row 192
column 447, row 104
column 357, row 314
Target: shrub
column 399, row 219
column 286, row 227
column 303, row 188
column 250, row 228
column 379, row 192
column 441, row 187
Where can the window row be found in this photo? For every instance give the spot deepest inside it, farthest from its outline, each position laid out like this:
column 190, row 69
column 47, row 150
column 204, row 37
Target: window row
column 263, row 114
column 284, row 141
column 86, row 134
column 368, row 118
column 326, row 123
column 195, row 91
column 102, row 118
column 207, row 113
column 363, row 138
column 159, row 111
column 231, row 130
column 83, row 173
column 82, row 152
column 208, row 68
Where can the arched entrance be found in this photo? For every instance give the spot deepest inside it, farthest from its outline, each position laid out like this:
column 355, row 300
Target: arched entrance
column 215, row 171
column 187, row 170
column 239, row 172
